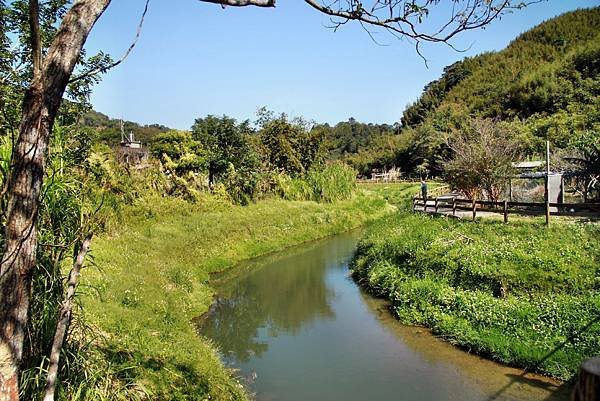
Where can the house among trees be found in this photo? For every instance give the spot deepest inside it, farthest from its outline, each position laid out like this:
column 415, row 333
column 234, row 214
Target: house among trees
column 130, row 151
column 392, row 174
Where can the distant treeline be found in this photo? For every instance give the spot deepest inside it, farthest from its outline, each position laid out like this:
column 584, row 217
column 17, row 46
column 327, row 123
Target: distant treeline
column 544, row 85
column 109, row 129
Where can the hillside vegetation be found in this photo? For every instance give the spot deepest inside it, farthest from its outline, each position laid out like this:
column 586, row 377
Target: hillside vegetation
column 544, row 85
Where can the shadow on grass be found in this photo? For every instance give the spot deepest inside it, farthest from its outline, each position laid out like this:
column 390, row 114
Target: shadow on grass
column 564, row 391
column 169, row 379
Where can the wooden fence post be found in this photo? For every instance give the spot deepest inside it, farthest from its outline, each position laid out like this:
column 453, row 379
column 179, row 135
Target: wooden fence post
column 425, row 203
column 505, row 210
column 436, row 204
column 588, row 383
column 547, row 183
column 454, row 206
column 474, row 209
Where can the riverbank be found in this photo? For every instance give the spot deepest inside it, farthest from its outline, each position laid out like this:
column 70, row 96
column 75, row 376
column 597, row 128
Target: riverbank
column 152, row 279
column 316, row 335
column 521, row 294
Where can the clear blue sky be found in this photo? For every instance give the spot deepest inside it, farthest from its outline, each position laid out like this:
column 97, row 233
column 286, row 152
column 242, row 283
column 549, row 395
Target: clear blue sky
column 195, row 59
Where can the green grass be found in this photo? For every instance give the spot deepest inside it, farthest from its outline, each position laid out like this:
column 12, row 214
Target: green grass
column 521, row 293
column 152, row 280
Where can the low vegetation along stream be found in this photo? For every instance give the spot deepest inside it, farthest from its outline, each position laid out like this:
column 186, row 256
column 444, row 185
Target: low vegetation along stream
column 297, row 327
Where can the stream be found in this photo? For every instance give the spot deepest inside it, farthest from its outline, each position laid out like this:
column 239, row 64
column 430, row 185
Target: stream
column 296, row 327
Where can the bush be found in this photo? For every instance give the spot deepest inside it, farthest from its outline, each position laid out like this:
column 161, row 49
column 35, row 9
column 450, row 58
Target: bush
column 337, row 181
column 334, row 182
column 481, row 161
column 290, row 188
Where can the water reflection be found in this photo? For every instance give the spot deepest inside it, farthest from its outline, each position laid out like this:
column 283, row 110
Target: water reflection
column 273, row 296
column 498, row 382
column 297, row 328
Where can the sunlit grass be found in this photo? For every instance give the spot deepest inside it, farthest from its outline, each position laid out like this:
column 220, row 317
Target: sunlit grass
column 153, row 272
column 516, row 292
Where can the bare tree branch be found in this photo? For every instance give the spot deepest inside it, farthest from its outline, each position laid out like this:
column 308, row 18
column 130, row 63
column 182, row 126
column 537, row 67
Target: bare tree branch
column 116, row 63
column 403, row 18
column 242, row 3
column 64, row 320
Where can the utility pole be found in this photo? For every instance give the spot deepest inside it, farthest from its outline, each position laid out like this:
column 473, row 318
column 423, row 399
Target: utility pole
column 547, row 183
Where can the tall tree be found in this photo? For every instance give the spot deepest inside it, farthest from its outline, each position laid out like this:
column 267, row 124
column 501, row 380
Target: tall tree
column 52, row 69
column 291, row 146
column 482, row 159
column 226, row 143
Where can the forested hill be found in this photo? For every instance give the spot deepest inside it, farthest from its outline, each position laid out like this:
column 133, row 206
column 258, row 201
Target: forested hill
column 109, row 129
column 544, row 84
column 537, row 73
column 357, row 143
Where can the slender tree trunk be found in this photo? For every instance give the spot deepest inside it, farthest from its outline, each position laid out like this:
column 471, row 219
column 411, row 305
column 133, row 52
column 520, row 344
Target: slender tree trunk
column 41, row 104
column 65, row 319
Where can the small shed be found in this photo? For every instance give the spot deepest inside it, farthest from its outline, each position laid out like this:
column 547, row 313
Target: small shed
column 392, row 174
column 130, row 151
column 529, row 183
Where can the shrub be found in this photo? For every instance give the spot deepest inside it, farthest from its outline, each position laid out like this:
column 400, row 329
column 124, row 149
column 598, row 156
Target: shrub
column 481, row 161
column 334, row 182
column 337, row 181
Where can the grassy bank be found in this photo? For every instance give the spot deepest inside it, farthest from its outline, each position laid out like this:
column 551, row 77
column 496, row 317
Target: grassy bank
column 522, row 294
column 152, row 279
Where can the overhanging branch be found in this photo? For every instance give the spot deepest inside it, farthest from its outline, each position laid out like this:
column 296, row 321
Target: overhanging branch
column 242, row 3
column 404, row 18
column 116, row 63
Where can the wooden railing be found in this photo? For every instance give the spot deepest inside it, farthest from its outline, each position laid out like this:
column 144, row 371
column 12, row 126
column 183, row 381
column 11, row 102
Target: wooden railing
column 505, row 207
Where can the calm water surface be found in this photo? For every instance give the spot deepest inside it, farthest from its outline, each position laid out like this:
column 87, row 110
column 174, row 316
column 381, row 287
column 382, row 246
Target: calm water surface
column 297, row 328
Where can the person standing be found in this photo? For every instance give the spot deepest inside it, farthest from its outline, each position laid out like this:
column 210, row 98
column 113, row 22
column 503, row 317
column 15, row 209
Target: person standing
column 424, row 189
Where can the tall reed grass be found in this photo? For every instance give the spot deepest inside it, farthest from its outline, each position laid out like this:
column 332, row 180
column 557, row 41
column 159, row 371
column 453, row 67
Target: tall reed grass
column 334, row 182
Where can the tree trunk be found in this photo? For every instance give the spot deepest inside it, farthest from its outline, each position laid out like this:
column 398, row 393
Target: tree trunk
column 18, row 258
column 64, row 320
column 588, row 383
column 40, row 106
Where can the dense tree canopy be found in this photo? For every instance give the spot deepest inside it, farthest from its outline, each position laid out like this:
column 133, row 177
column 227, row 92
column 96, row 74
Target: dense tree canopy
column 226, row 143
column 291, row 147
